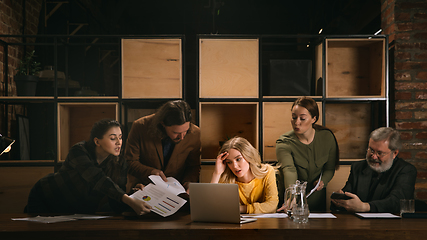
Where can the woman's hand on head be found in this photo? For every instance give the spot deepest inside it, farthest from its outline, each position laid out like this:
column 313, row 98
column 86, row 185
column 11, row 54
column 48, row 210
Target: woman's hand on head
column 220, row 166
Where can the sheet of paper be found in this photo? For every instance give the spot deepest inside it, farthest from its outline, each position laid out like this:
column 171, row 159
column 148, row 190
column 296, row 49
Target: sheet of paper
column 266, row 215
column 162, row 202
column 321, row 215
column 40, row 219
column 173, row 185
column 317, row 185
column 377, row 215
column 64, row 218
column 88, row 216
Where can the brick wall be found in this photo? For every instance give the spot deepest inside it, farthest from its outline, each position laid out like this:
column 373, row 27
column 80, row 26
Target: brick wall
column 11, row 23
column 405, row 21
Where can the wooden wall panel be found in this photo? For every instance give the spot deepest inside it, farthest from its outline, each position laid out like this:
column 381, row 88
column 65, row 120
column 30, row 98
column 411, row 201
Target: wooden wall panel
column 151, row 68
column 15, row 186
column 229, row 68
column 351, row 124
column 219, row 121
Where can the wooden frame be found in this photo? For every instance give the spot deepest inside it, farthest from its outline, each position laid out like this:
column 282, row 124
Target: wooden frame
column 220, row 121
column 228, row 68
column 355, row 68
column 75, row 121
column 151, row 68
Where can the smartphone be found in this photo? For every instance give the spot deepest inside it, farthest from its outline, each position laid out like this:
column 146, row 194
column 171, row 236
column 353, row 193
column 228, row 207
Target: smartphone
column 342, row 196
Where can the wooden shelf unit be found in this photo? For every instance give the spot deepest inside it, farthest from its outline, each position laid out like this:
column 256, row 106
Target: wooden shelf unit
column 355, row 68
column 151, row 68
column 75, row 120
column 228, row 68
column 349, row 77
column 220, row 121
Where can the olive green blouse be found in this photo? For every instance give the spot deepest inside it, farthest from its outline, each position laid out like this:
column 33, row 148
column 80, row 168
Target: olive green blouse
column 305, row 162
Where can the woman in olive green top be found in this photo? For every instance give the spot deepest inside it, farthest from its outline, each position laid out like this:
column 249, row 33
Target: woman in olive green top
column 306, row 152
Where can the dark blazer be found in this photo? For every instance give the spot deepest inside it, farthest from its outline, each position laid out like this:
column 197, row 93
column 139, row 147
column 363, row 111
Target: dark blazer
column 397, row 183
column 144, row 153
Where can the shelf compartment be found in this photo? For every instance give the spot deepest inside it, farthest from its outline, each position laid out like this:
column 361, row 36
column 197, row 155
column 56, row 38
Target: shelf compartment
column 277, row 118
column 75, row 120
column 151, row 68
column 351, row 124
column 31, row 127
column 355, row 68
column 228, row 68
column 206, row 172
column 219, row 121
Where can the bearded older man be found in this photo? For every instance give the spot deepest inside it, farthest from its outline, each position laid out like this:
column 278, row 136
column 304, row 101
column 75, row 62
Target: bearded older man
column 378, row 183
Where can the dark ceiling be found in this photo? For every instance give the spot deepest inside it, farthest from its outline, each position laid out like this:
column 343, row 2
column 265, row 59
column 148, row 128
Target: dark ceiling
column 213, row 16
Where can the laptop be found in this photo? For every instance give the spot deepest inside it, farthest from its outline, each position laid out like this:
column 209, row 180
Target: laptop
column 216, row 202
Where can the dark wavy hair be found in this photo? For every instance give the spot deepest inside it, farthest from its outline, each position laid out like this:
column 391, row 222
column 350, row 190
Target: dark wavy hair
column 171, row 113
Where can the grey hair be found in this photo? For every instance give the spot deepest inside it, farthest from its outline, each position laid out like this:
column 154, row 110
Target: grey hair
column 389, row 134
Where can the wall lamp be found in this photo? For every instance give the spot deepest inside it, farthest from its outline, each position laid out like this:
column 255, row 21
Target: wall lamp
column 5, row 144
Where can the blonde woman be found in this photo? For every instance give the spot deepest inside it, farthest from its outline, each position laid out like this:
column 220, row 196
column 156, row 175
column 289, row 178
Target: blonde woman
column 239, row 162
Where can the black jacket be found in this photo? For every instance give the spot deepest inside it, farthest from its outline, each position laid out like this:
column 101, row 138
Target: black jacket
column 396, row 183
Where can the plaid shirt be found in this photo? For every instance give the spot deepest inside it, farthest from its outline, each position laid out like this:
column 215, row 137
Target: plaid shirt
column 81, row 184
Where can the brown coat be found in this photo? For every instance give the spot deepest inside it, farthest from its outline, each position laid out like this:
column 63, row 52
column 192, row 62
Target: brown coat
column 144, row 153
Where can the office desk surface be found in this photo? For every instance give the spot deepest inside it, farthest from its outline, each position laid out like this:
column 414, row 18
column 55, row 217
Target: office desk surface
column 179, row 226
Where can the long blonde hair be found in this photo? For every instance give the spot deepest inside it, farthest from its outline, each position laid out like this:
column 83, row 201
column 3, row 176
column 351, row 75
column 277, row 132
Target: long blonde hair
column 249, row 153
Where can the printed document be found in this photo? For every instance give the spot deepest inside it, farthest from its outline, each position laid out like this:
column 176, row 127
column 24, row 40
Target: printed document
column 162, row 196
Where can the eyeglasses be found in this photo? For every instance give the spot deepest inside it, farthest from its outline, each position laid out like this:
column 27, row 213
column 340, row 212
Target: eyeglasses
column 379, row 153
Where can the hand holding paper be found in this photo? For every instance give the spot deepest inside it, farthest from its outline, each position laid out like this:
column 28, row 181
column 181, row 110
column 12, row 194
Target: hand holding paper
column 172, row 185
column 162, row 196
column 317, row 185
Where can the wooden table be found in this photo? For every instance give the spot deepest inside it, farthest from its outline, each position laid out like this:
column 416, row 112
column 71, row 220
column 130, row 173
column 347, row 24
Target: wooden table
column 179, row 226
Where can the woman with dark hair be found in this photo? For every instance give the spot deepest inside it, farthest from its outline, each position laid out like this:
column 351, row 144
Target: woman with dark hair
column 91, row 179
column 306, row 152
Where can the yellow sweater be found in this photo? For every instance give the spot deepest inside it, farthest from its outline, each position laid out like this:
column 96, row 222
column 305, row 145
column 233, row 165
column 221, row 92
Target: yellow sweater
column 260, row 195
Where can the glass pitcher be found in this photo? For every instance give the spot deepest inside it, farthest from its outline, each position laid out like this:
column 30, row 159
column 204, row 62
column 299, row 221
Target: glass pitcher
column 300, row 209
column 289, row 199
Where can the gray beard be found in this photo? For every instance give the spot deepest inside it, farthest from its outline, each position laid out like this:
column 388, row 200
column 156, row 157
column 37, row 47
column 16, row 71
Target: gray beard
column 383, row 167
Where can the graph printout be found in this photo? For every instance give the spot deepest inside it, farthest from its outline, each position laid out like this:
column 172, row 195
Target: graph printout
column 162, row 201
